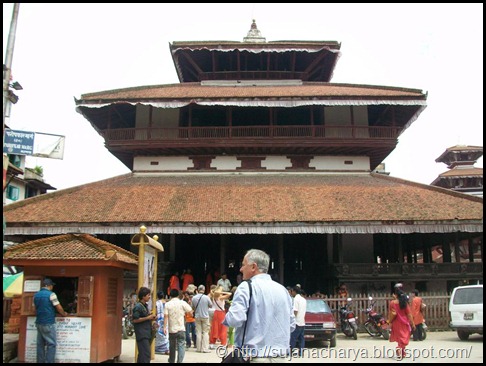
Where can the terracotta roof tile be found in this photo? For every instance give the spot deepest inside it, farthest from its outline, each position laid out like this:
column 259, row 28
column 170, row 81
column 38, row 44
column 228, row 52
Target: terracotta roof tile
column 73, row 247
column 308, row 89
column 264, row 198
column 463, row 172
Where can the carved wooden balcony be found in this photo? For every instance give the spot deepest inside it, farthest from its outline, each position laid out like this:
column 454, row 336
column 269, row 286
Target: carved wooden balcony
column 254, row 75
column 275, row 133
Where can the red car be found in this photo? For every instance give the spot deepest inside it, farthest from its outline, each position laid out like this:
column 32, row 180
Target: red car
column 319, row 322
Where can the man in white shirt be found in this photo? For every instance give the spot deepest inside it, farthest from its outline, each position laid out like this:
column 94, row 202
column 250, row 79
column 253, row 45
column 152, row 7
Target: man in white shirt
column 297, row 336
column 174, row 313
column 269, row 314
column 224, row 283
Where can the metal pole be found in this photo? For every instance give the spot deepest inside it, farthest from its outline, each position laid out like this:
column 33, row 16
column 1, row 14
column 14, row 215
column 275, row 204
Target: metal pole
column 7, row 66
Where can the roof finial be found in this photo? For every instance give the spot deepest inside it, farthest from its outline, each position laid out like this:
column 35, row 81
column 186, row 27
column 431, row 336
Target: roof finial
column 254, row 35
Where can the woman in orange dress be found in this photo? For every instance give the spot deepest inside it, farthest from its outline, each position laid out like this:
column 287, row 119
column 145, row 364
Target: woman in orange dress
column 401, row 320
column 174, row 283
column 418, row 316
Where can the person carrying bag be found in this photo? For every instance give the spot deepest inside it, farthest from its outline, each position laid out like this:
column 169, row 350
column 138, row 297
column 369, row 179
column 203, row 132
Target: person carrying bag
column 261, row 313
column 237, row 354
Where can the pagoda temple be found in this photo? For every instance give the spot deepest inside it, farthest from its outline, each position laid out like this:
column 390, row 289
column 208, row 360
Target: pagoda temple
column 257, row 148
column 462, row 175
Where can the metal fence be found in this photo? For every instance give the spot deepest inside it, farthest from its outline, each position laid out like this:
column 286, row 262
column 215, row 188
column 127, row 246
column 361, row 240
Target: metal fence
column 436, row 314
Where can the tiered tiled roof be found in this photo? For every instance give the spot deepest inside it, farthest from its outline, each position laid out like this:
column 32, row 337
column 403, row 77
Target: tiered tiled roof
column 306, row 89
column 463, row 172
column 336, row 201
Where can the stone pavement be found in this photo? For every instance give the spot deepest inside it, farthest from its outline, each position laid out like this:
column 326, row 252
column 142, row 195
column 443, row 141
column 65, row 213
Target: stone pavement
column 439, row 347
column 191, row 356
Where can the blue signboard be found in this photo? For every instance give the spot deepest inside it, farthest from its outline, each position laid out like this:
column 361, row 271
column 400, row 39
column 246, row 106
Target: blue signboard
column 19, row 142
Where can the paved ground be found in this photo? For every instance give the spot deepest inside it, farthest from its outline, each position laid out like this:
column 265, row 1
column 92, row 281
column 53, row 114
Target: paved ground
column 439, row 347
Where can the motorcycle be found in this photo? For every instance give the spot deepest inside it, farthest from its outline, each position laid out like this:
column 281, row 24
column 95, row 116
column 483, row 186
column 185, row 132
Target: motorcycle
column 376, row 324
column 127, row 325
column 349, row 325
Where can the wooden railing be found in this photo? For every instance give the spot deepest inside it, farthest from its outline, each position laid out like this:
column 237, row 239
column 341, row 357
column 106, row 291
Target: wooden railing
column 410, row 270
column 437, row 316
column 253, row 132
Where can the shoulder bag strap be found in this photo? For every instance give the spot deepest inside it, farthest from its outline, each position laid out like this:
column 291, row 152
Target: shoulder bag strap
column 247, row 312
column 218, row 305
column 198, row 304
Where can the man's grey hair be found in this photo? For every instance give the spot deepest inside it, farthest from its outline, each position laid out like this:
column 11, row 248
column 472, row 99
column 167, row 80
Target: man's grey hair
column 201, row 288
column 260, row 258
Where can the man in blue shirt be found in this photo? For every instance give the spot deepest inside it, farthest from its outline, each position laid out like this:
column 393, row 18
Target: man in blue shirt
column 46, row 304
column 270, row 316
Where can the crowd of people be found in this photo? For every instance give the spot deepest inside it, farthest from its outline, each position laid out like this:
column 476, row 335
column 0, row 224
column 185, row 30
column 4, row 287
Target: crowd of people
column 256, row 316
column 204, row 318
column 192, row 317
column 259, row 312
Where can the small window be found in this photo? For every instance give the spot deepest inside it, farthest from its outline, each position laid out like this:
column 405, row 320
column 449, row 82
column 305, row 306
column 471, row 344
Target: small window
column 13, row 193
column 74, row 294
column 15, row 160
column 469, row 296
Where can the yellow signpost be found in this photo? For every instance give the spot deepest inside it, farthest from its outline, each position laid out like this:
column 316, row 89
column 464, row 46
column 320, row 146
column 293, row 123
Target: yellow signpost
column 148, row 250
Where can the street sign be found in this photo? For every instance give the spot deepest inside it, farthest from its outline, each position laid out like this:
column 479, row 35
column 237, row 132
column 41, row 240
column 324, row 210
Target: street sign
column 19, row 142
column 42, row 145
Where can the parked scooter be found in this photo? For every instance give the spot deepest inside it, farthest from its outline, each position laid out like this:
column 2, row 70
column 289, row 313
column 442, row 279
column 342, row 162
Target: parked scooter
column 127, row 325
column 376, row 324
column 349, row 325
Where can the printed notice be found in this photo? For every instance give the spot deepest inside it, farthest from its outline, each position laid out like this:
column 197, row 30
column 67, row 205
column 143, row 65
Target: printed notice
column 73, row 340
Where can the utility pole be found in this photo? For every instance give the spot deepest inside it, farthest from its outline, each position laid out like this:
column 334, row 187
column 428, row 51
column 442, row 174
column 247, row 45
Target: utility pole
column 7, row 72
column 7, row 66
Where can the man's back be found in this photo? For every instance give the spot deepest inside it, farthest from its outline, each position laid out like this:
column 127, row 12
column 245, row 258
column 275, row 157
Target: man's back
column 270, row 317
column 300, row 306
column 201, row 304
column 176, row 309
column 44, row 307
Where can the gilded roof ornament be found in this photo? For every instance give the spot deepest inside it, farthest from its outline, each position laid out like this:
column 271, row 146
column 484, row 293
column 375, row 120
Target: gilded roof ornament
column 254, row 35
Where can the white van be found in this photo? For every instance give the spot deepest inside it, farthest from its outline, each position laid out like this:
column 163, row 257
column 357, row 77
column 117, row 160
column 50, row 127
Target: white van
column 466, row 308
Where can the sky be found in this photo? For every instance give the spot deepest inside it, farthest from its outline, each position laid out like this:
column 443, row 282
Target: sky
column 62, row 51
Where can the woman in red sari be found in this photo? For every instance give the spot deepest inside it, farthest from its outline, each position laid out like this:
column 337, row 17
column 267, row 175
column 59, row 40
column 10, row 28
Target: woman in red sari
column 401, row 320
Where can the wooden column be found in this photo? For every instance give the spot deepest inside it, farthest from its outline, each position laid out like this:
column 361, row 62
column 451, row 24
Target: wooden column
column 172, row 242
column 481, row 248
column 335, row 248
column 427, row 254
column 446, row 249
column 222, row 254
column 340, row 248
column 471, row 250
column 457, row 249
column 329, row 248
column 281, row 258
column 399, row 249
